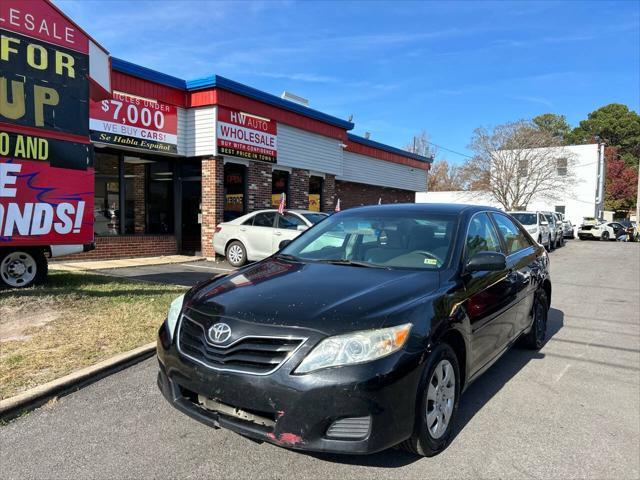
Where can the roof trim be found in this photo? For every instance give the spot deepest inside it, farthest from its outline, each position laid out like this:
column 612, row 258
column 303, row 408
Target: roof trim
column 388, row 148
column 147, row 74
column 216, row 81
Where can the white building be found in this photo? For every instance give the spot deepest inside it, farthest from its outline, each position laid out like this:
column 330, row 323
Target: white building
column 584, row 198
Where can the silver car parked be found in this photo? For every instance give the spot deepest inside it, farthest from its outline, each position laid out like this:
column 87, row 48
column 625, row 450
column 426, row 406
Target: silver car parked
column 537, row 226
column 258, row 234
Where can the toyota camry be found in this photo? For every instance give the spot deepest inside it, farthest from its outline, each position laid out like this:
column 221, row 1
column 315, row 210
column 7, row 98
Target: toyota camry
column 361, row 333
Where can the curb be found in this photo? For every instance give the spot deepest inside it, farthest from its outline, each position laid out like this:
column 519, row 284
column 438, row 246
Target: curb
column 14, row 406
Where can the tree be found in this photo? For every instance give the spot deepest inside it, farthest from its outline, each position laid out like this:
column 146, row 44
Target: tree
column 520, row 162
column 554, row 125
column 444, row 177
column 420, row 145
column 621, row 183
column 615, row 125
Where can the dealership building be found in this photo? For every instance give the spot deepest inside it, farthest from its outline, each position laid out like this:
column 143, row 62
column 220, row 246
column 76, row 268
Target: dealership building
column 174, row 158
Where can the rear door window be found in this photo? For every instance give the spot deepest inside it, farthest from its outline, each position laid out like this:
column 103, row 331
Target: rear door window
column 481, row 236
column 266, row 219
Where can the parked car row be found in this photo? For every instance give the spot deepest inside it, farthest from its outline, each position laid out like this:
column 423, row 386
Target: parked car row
column 547, row 228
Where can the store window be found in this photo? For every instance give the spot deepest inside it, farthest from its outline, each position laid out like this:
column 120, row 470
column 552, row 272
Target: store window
column 159, row 198
column 315, row 193
column 133, row 195
column 279, row 185
column 235, row 180
column 106, row 200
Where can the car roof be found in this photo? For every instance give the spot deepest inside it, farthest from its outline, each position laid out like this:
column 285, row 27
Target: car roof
column 437, row 208
column 294, row 210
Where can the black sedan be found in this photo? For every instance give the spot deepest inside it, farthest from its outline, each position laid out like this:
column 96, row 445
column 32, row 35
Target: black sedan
column 360, row 334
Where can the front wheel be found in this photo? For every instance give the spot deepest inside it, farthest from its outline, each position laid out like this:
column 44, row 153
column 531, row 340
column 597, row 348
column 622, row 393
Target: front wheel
column 604, row 237
column 22, row 268
column 437, row 404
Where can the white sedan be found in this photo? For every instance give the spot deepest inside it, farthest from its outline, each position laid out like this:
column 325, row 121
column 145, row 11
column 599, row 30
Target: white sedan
column 258, row 234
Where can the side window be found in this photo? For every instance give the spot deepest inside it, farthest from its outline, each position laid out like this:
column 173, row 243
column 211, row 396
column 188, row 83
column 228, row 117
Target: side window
column 481, row 236
column 289, row 221
column 264, row 219
column 249, row 221
column 513, row 237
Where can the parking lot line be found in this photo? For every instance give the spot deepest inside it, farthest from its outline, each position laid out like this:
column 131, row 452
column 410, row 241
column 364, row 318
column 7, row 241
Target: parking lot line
column 208, row 268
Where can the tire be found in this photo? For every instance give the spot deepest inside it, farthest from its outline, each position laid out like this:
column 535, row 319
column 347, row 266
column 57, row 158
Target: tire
column 22, row 268
column 423, row 442
column 236, row 254
column 536, row 337
column 604, row 237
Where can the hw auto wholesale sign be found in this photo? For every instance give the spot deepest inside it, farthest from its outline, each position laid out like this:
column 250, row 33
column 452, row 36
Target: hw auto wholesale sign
column 135, row 122
column 244, row 135
column 46, row 161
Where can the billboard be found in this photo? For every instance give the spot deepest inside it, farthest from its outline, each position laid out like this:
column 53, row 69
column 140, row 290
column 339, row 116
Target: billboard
column 135, row 122
column 46, row 159
column 244, row 135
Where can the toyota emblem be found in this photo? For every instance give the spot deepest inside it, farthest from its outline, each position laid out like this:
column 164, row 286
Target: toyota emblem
column 219, row 333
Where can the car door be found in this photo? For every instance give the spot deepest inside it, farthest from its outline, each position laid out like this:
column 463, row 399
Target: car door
column 522, row 264
column 618, row 229
column 489, row 294
column 288, row 227
column 258, row 237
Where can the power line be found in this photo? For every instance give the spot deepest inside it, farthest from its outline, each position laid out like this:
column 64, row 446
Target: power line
column 449, row 150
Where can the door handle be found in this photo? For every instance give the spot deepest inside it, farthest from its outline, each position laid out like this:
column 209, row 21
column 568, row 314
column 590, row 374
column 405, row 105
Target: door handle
column 277, row 233
column 243, row 229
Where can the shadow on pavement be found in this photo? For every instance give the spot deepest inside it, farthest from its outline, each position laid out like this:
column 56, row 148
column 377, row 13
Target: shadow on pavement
column 187, row 279
column 477, row 395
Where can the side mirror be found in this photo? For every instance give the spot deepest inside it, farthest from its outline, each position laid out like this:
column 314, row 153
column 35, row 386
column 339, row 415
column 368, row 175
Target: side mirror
column 487, row 262
column 283, row 244
column 302, row 228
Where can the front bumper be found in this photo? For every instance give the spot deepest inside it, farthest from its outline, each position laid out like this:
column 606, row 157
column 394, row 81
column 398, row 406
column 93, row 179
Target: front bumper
column 296, row 411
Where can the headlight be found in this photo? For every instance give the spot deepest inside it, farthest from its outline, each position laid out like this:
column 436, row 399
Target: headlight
column 356, row 347
column 174, row 314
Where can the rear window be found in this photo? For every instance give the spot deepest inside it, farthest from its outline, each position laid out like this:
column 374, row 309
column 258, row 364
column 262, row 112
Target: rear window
column 526, row 218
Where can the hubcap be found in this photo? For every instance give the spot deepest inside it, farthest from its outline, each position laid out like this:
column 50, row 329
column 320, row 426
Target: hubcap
column 18, row 269
column 235, row 254
column 441, row 394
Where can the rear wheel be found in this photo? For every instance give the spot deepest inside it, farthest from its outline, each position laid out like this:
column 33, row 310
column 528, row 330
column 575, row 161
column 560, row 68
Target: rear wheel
column 437, row 404
column 538, row 334
column 236, row 254
column 605, row 236
column 22, row 268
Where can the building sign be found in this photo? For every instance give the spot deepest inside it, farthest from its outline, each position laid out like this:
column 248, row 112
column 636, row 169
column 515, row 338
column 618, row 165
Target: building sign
column 46, row 158
column 244, row 135
column 135, row 122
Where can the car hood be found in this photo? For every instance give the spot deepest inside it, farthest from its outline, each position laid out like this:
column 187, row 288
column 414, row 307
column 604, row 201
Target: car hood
column 331, row 299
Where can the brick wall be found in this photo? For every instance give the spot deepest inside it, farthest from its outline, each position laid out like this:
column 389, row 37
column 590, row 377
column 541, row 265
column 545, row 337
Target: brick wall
column 212, row 201
column 139, row 208
column 358, row 194
column 258, row 186
column 129, row 246
column 299, row 189
column 329, row 193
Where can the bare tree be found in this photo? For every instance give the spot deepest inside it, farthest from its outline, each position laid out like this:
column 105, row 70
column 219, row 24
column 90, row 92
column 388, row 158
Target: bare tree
column 421, row 146
column 444, row 176
column 519, row 163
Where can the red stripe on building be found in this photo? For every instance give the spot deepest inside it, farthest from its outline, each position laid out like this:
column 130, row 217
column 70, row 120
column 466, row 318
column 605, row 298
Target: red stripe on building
column 355, row 147
column 41, row 132
column 143, row 88
column 218, row 96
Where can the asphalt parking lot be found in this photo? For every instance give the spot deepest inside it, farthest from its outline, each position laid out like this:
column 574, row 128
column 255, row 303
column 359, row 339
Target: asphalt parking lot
column 571, row 410
column 187, row 274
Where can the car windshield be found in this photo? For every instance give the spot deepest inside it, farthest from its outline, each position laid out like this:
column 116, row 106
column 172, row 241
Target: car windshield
column 525, row 218
column 315, row 217
column 392, row 239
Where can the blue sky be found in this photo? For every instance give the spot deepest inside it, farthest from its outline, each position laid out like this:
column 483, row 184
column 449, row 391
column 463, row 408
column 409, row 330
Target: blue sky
column 397, row 67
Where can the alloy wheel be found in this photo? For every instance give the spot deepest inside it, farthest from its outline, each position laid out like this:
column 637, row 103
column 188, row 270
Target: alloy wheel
column 440, row 398
column 235, row 254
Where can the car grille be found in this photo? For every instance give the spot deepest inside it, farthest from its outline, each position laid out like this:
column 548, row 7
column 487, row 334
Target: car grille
column 250, row 354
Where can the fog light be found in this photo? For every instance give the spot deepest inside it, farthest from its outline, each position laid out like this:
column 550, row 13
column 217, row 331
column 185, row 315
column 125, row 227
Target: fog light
column 351, row 428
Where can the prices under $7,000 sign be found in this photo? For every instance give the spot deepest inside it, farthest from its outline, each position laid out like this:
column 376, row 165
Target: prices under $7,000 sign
column 135, row 122
column 245, row 135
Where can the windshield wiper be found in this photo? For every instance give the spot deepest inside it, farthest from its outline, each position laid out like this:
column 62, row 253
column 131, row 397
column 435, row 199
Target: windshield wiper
column 351, row 263
column 287, row 256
